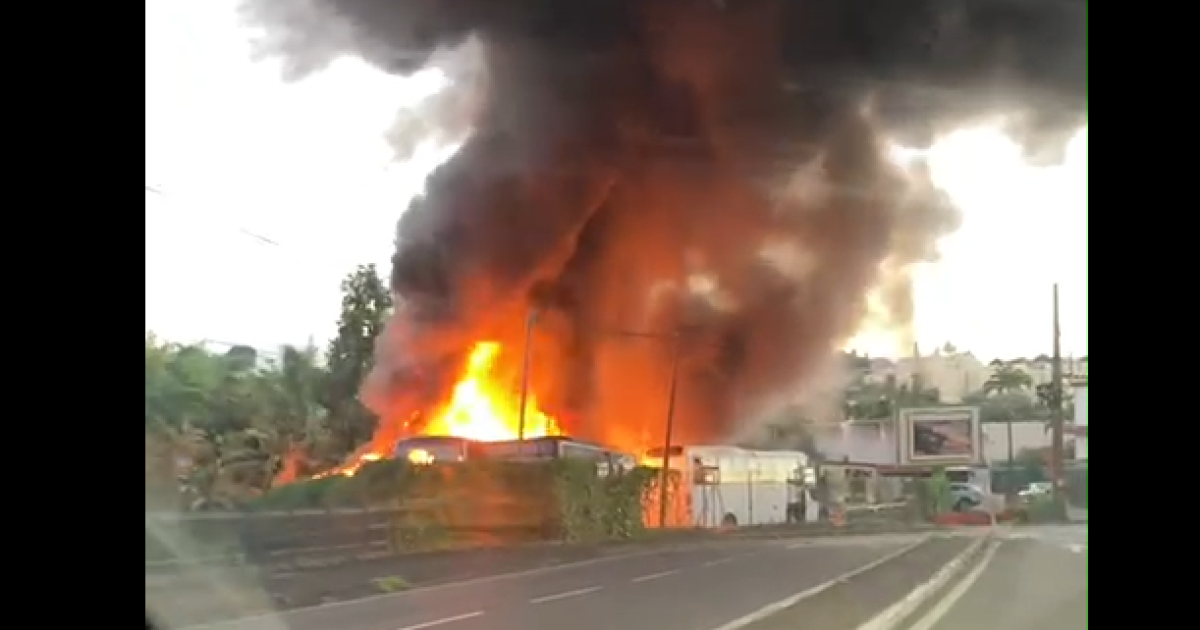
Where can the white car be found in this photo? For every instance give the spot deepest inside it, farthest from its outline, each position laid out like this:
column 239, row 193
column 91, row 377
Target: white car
column 1035, row 489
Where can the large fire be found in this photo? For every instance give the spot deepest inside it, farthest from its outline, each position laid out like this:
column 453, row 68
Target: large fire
column 481, row 407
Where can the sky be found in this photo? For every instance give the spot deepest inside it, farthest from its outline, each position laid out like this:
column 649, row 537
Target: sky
column 269, row 194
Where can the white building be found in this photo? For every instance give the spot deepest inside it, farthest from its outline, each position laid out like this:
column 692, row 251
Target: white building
column 954, row 374
column 1026, row 436
column 858, row 442
column 1080, row 420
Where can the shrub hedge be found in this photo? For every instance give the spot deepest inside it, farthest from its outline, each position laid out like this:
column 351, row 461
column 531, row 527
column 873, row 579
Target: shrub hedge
column 560, row 499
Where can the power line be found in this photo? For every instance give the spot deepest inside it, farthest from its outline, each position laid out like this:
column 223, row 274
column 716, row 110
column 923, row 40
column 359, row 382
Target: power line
column 260, row 238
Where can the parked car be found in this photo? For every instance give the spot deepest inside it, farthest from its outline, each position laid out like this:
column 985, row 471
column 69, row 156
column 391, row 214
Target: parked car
column 965, row 496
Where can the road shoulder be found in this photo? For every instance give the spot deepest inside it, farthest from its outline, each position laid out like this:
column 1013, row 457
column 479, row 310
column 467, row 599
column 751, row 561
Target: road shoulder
column 1027, row 585
column 854, row 602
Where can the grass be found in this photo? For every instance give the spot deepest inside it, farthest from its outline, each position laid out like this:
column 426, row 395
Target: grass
column 391, row 584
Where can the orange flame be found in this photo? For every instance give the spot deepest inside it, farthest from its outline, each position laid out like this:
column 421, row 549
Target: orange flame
column 480, row 408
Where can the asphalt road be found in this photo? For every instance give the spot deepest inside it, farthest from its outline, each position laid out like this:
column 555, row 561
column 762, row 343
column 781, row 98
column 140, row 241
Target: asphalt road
column 861, row 599
column 696, row 588
column 1033, row 580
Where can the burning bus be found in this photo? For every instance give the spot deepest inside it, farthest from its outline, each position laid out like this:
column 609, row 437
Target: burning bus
column 428, row 449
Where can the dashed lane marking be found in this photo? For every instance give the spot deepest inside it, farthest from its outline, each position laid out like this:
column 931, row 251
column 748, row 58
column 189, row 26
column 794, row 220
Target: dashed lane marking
column 655, row 576
column 565, row 594
column 443, row 620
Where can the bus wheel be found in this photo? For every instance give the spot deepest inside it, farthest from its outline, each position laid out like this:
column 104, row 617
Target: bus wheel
column 729, row 520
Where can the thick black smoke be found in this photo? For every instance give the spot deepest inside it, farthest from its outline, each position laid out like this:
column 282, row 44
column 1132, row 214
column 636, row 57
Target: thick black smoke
column 717, row 166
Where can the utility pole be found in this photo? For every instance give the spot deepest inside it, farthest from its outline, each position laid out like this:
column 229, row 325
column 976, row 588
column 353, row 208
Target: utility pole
column 530, row 322
column 664, row 482
column 672, row 394
column 1010, row 487
column 1056, row 418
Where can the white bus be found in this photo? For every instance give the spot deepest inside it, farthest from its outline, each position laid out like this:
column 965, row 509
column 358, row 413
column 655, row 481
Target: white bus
column 723, row 486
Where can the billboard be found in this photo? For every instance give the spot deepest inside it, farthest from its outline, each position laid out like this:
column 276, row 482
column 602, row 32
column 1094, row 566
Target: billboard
column 940, row 435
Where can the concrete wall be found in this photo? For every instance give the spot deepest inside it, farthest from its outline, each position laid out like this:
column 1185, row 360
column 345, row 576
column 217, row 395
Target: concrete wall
column 1025, row 435
column 876, row 443
column 867, row 443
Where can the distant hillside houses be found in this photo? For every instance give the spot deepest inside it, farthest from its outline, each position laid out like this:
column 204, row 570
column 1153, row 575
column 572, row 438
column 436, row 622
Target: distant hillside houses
column 958, row 374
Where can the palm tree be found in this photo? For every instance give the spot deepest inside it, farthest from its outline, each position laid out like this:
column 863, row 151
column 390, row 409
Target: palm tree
column 1007, row 379
column 295, row 390
column 300, row 410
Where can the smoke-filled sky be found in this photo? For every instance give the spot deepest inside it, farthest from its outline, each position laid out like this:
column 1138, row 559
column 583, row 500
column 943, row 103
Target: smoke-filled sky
column 306, row 165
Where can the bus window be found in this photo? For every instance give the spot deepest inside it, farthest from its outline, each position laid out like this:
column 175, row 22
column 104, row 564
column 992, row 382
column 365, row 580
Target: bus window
column 574, row 450
column 538, row 448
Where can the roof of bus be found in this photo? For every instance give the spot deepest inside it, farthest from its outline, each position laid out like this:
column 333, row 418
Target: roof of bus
column 725, row 449
column 541, row 439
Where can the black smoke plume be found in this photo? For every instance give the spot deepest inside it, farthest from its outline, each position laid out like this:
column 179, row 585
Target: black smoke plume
column 716, row 167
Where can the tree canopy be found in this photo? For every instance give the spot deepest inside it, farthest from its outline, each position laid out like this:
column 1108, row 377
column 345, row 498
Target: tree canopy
column 221, row 427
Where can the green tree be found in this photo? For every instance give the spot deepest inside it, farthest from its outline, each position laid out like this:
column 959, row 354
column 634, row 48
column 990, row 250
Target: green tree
column 1007, row 379
column 240, row 360
column 218, row 425
column 181, row 382
column 881, row 400
column 1004, row 407
column 1049, row 395
column 366, row 305
column 298, row 386
column 293, row 386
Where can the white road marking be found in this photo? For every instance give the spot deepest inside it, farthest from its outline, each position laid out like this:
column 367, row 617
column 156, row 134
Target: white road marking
column 444, row 620
column 290, row 617
column 713, row 563
column 655, row 576
column 801, row 544
column 940, row 609
column 557, row 596
column 894, row 615
column 770, row 609
column 1069, row 538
